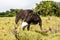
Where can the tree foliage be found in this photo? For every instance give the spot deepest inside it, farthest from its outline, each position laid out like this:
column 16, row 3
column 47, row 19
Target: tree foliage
column 47, row 8
column 8, row 13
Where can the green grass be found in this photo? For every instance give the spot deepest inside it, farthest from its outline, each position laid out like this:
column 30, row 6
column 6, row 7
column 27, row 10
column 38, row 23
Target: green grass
column 7, row 25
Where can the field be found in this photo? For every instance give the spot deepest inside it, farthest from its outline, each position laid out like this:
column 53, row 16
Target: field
column 7, row 25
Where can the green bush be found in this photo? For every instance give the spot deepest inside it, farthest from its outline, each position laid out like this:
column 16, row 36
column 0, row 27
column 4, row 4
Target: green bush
column 10, row 13
column 46, row 8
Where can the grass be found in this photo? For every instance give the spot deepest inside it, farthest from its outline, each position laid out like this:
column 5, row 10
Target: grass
column 7, row 25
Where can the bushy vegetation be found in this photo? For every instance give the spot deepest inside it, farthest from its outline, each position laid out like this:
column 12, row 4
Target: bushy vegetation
column 46, row 8
column 10, row 13
column 7, row 26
